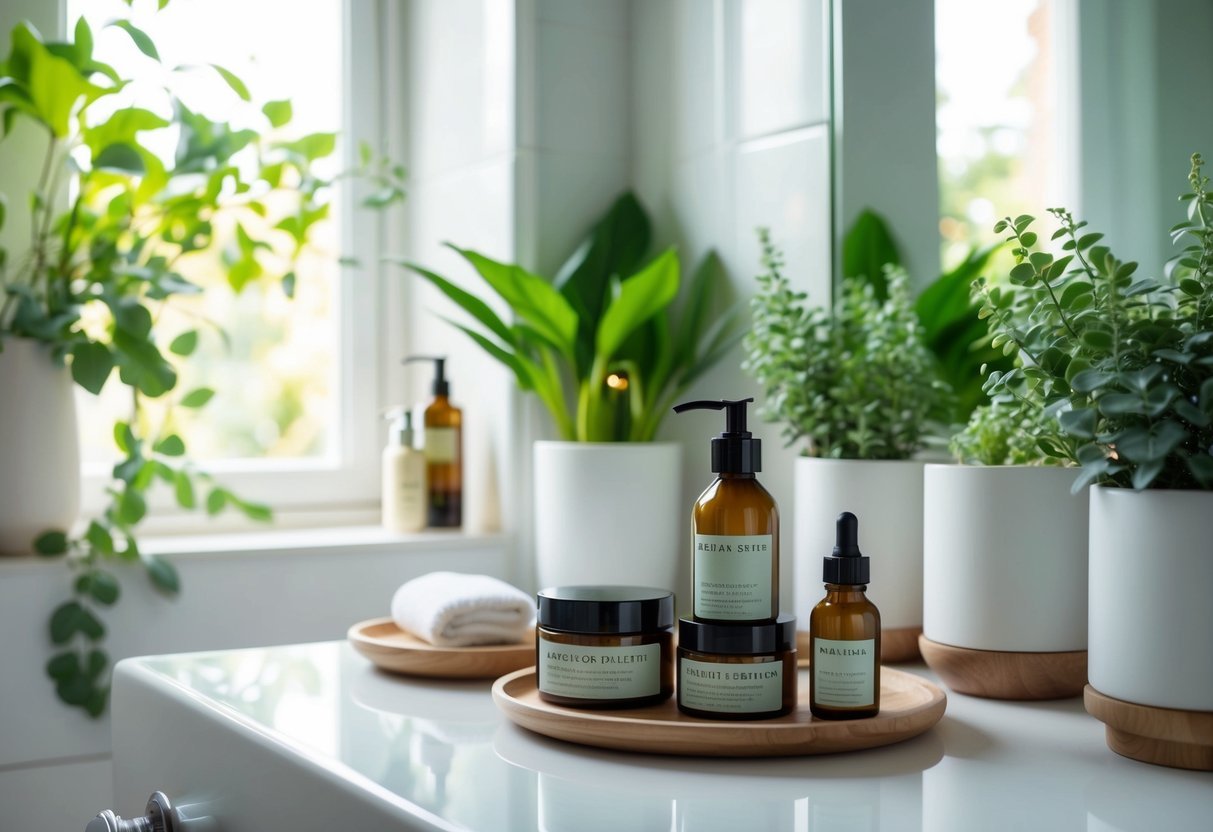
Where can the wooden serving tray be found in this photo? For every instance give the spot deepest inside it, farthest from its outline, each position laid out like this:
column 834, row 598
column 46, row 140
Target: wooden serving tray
column 909, row 705
column 391, row 648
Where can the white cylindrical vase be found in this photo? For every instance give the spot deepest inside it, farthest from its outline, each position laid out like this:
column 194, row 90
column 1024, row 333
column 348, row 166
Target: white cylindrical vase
column 1150, row 624
column 608, row 513
column 886, row 497
column 1005, row 580
column 39, row 446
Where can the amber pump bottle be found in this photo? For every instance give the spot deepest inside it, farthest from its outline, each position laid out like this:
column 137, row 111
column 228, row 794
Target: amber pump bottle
column 734, row 529
column 443, row 448
column 844, row 631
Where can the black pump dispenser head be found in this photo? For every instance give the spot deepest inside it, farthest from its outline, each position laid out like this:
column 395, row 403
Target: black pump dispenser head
column 735, row 451
column 846, row 564
column 441, row 386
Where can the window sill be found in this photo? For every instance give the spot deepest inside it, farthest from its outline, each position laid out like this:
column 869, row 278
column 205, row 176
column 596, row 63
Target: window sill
column 327, row 541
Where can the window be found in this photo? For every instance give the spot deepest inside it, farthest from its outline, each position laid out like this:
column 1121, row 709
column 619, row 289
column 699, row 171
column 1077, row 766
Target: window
column 1001, row 132
column 295, row 379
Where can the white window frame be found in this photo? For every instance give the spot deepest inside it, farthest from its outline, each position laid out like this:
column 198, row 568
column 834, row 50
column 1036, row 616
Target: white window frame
column 343, row 486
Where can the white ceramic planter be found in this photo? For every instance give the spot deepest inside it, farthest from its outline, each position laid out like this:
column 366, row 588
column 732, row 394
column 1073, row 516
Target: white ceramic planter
column 1151, row 597
column 1004, row 558
column 39, row 446
column 886, row 496
column 608, row 513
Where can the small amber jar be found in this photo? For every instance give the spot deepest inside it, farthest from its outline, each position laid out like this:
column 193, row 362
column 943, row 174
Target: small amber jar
column 605, row 646
column 737, row 671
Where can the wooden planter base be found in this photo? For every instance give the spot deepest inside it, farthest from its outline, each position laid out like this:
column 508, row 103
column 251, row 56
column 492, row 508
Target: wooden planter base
column 999, row 675
column 1162, row 736
column 899, row 645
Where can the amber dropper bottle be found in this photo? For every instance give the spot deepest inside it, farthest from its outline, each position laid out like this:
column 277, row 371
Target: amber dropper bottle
column 844, row 631
column 443, row 448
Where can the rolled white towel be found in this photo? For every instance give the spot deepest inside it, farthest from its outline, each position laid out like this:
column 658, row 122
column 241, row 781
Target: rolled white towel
column 449, row 609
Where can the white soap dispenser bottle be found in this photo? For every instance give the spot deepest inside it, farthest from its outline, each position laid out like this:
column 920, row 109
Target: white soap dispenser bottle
column 404, row 488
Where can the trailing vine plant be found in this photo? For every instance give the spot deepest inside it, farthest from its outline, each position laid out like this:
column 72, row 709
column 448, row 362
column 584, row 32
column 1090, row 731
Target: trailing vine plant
column 100, row 272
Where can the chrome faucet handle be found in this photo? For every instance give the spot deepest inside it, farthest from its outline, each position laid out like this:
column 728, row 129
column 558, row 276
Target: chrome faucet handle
column 159, row 816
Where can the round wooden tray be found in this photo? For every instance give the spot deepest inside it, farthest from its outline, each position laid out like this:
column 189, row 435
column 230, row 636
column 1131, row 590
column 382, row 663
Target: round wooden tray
column 909, row 705
column 391, row 648
column 1002, row 675
column 1163, row 736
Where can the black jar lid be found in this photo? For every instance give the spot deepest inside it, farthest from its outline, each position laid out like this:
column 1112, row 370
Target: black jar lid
column 606, row 609
column 738, row 639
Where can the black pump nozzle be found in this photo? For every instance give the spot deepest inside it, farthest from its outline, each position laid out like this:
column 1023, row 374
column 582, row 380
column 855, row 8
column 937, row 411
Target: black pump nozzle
column 441, row 386
column 846, row 564
column 735, row 451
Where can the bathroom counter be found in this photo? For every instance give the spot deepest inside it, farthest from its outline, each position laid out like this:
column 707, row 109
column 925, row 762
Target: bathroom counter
column 312, row 737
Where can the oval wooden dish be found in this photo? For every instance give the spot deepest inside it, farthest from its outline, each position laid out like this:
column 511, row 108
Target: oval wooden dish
column 391, row 648
column 909, row 705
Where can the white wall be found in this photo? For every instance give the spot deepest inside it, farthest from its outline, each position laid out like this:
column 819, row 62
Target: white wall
column 730, row 131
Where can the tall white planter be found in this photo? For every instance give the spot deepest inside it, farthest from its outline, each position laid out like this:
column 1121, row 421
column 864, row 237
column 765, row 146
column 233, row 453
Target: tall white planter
column 39, row 447
column 1151, row 605
column 609, row 513
column 886, row 496
column 1151, row 624
column 1005, row 580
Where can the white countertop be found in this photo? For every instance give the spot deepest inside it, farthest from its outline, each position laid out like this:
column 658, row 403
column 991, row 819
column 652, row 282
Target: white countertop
column 439, row 755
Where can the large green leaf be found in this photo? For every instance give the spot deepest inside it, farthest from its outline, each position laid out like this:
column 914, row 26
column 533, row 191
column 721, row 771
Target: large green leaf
column 532, row 298
column 121, row 128
column 709, row 277
column 615, row 247
column 468, row 302
column 55, row 87
column 139, row 38
column 91, row 365
column 141, row 365
column 640, row 297
column 867, row 248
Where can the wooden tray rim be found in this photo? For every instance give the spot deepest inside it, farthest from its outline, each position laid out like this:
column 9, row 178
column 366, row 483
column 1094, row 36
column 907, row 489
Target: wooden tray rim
column 415, row 657
column 797, row 734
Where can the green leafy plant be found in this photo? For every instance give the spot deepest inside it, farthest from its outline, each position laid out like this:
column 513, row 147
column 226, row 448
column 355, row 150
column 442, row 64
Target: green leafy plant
column 1123, row 363
column 1004, row 432
column 101, row 269
column 854, row 381
column 599, row 344
column 951, row 328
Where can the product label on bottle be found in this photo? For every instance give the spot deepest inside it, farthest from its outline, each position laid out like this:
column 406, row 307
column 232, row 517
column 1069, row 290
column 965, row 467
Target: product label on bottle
column 844, row 673
column 731, row 688
column 733, row 576
column 599, row 672
column 441, row 445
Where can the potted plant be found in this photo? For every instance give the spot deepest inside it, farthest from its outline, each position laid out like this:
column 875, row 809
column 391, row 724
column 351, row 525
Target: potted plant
column 1126, row 363
column 1005, row 559
column 857, row 386
column 86, row 299
column 601, row 349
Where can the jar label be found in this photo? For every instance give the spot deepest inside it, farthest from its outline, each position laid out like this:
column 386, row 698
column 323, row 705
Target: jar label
column 581, row 672
column 844, row 673
column 733, row 576
column 730, row 688
column 441, row 445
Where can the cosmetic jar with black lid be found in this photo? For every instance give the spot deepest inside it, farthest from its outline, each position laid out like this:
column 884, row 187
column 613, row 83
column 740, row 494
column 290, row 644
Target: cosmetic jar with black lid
column 605, row 646
column 737, row 671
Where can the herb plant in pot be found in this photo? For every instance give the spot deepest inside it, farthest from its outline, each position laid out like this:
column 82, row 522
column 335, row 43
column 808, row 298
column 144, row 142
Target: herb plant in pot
column 857, row 386
column 1127, row 363
column 600, row 348
column 1005, row 558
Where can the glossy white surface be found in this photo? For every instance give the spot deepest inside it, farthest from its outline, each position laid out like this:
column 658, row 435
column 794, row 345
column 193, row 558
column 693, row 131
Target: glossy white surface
column 304, row 736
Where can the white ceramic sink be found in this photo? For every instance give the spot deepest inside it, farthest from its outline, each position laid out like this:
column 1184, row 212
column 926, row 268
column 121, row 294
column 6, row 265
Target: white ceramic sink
column 312, row 737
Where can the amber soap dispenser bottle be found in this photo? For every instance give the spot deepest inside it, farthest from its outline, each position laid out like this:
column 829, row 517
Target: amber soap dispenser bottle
column 735, row 529
column 844, row 631
column 443, row 448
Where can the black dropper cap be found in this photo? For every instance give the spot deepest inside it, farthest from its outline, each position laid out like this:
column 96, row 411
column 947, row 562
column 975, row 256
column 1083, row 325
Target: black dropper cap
column 846, row 564
column 441, row 386
column 735, row 451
